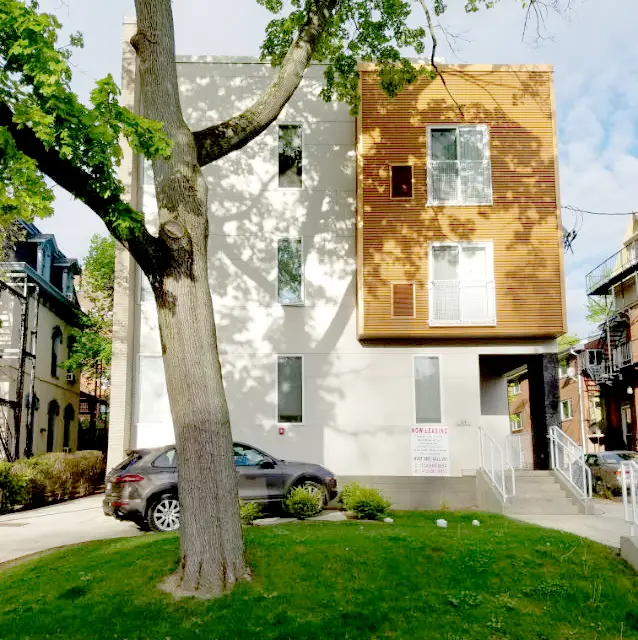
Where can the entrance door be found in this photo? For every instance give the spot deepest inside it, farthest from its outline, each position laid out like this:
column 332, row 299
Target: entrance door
column 625, row 417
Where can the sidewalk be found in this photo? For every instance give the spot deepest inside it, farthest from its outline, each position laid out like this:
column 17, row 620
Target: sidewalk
column 607, row 527
column 58, row 525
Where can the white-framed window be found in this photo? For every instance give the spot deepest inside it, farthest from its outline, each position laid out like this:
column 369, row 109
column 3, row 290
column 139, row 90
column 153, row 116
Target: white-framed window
column 566, row 410
column 461, row 286
column 514, row 387
column 290, row 391
column 459, row 166
column 516, row 422
column 290, row 289
column 427, row 390
column 563, row 368
column 290, row 161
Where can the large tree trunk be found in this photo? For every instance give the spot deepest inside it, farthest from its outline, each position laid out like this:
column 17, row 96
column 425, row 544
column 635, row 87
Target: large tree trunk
column 211, row 536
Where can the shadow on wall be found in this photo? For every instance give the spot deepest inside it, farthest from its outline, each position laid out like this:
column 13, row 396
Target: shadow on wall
column 249, row 213
column 522, row 219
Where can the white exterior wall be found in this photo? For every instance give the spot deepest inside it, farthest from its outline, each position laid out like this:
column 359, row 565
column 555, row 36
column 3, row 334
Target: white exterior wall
column 358, row 400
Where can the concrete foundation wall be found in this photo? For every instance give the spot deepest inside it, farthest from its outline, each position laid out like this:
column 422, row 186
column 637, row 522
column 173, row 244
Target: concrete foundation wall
column 406, row 492
column 629, row 550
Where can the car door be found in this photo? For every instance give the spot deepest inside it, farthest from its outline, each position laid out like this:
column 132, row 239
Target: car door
column 260, row 477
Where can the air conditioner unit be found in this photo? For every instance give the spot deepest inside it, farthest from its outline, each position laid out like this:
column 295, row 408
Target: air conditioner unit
column 70, row 376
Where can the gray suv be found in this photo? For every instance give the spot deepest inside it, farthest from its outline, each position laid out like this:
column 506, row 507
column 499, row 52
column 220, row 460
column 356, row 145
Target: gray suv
column 143, row 487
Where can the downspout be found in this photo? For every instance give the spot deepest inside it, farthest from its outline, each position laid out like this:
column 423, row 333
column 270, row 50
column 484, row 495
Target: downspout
column 580, row 403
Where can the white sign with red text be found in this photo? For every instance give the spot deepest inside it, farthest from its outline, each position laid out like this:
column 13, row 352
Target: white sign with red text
column 430, row 451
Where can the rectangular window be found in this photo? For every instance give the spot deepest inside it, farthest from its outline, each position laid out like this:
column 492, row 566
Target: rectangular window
column 403, row 300
column 459, row 167
column 514, row 387
column 516, row 422
column 290, row 156
column 461, row 287
column 290, row 389
column 290, row 271
column 565, row 409
column 427, row 389
column 401, row 178
column 563, row 369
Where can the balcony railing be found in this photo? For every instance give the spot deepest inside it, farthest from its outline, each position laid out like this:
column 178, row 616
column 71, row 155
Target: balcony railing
column 622, row 355
column 613, row 270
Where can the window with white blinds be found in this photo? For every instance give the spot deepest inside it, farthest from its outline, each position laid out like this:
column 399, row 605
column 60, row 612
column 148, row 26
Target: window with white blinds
column 459, row 167
column 461, row 286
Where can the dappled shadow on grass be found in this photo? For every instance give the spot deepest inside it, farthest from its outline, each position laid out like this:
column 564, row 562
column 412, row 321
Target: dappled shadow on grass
column 411, row 579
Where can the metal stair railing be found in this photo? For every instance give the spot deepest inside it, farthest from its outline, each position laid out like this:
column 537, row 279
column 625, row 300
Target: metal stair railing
column 629, row 475
column 493, row 461
column 568, row 459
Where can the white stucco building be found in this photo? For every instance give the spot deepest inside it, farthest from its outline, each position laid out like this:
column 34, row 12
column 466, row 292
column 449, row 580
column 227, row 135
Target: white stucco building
column 301, row 382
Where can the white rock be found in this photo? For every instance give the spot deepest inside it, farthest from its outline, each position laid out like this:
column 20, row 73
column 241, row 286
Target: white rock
column 441, row 523
column 388, row 520
column 476, row 523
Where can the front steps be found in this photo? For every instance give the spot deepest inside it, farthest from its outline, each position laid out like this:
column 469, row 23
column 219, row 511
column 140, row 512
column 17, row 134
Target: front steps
column 540, row 493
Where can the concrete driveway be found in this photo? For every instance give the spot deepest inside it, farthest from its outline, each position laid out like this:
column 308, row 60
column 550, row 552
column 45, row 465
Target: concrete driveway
column 58, row 525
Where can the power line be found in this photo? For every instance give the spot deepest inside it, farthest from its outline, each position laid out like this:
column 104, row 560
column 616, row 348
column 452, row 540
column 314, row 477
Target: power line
column 570, row 207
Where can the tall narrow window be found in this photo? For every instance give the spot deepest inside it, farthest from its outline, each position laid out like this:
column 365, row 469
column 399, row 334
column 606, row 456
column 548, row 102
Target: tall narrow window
column 290, row 163
column 69, row 416
column 56, row 341
column 290, row 389
column 401, row 181
column 427, row 389
column 290, row 271
column 459, row 167
column 52, row 413
column 461, row 287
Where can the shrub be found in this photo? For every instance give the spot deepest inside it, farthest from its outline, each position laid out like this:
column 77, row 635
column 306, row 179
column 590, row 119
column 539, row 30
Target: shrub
column 59, row 476
column 363, row 502
column 304, row 502
column 249, row 512
column 11, row 487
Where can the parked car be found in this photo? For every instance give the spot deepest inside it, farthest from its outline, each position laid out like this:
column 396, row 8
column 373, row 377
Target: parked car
column 605, row 469
column 143, row 487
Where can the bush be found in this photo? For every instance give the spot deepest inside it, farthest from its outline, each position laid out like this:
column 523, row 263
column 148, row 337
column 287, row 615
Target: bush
column 249, row 512
column 60, row 476
column 363, row 502
column 304, row 502
column 11, row 487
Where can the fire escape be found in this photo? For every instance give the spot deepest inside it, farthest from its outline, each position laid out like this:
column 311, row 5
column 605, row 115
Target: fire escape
column 606, row 356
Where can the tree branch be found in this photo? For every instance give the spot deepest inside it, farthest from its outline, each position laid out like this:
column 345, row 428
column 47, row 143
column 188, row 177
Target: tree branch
column 134, row 237
column 218, row 140
column 428, row 17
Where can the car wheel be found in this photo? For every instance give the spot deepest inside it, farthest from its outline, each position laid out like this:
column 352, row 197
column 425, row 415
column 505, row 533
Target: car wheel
column 318, row 487
column 164, row 513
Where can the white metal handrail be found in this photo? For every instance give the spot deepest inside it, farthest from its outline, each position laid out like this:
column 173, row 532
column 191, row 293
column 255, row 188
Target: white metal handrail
column 495, row 464
column 568, row 459
column 629, row 475
column 518, row 450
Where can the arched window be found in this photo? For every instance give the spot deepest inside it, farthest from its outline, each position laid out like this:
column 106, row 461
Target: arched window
column 69, row 416
column 56, row 341
column 52, row 413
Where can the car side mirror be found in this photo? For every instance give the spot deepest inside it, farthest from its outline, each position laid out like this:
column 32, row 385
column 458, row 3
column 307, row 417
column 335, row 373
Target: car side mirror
column 267, row 464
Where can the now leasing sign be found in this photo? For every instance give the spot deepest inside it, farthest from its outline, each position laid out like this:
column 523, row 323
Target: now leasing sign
column 430, row 451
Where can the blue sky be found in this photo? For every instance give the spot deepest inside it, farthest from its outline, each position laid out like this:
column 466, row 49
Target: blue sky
column 594, row 52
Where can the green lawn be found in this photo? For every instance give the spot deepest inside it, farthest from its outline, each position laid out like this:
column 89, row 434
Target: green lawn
column 334, row 581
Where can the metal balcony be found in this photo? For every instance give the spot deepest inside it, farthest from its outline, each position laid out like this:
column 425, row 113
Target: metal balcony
column 615, row 269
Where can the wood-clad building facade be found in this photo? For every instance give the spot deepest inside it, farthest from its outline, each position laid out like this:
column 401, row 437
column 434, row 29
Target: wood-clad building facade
column 494, row 193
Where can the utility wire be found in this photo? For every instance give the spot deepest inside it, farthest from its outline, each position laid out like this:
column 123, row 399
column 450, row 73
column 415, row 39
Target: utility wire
column 570, row 207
